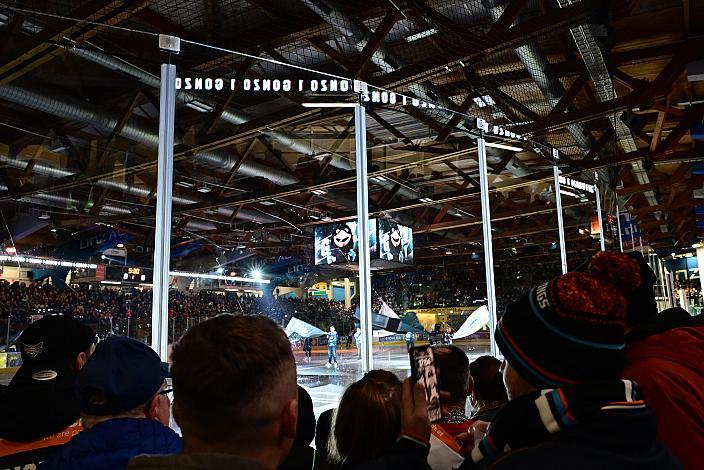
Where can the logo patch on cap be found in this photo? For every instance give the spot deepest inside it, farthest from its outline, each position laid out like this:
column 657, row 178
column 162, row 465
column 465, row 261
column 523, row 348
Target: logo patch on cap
column 45, row 375
column 33, row 350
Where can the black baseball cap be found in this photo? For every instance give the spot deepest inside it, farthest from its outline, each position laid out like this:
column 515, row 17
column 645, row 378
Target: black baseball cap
column 121, row 375
column 41, row 398
column 49, row 348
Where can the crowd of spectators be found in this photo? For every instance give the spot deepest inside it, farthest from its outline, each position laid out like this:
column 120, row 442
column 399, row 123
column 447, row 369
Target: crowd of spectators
column 110, row 309
column 584, row 376
column 593, row 377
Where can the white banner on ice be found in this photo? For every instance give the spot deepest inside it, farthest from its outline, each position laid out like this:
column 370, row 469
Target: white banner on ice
column 387, row 311
column 382, row 333
column 302, row 329
column 473, row 323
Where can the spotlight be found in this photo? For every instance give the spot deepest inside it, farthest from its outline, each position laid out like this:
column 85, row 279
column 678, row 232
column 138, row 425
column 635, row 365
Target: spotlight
column 256, row 274
column 120, row 245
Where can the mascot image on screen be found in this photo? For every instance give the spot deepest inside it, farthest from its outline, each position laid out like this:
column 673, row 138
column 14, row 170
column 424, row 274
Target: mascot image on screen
column 394, row 246
column 338, row 247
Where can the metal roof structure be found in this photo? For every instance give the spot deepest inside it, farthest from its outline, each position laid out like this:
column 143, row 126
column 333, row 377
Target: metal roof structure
column 617, row 87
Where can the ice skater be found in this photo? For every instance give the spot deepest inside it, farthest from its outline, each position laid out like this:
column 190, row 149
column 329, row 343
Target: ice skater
column 332, row 348
column 307, row 348
column 358, row 342
column 410, row 340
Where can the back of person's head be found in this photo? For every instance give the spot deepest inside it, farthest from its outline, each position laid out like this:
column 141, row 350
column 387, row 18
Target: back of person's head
column 453, row 372
column 122, row 378
column 488, row 385
column 305, row 428
column 642, row 307
column 571, row 329
column 368, row 420
column 235, row 389
column 41, row 398
column 322, row 430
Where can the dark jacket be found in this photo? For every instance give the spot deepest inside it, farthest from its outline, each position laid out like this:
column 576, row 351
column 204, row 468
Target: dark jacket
column 300, row 458
column 669, row 370
column 111, row 444
column 193, row 461
column 407, row 454
column 617, row 440
column 35, row 418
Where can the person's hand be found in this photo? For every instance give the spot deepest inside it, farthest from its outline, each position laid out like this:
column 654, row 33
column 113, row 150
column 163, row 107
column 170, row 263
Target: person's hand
column 469, row 439
column 414, row 412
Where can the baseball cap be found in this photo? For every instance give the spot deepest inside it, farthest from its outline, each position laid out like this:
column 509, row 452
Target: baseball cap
column 121, row 375
column 49, row 348
column 41, row 398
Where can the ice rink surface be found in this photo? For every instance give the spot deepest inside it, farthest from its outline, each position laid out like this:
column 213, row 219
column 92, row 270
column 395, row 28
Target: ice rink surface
column 326, row 385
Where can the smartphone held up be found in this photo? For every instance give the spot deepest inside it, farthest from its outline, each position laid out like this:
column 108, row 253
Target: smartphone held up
column 423, row 370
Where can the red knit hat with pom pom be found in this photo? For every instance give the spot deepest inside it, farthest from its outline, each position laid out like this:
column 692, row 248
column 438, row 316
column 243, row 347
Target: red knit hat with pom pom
column 571, row 329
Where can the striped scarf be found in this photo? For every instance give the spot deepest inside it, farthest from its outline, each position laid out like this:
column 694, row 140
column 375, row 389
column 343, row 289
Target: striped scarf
column 533, row 418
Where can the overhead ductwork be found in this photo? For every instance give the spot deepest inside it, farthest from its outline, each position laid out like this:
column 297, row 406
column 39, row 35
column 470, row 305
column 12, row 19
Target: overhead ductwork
column 538, row 67
column 43, row 169
column 593, row 57
column 137, row 128
column 200, row 103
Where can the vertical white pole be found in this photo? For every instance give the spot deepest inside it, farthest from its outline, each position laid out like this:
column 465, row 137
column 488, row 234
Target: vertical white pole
column 700, row 265
column 618, row 224
column 488, row 247
column 162, row 232
column 598, row 211
column 633, row 229
column 560, row 223
column 365, row 283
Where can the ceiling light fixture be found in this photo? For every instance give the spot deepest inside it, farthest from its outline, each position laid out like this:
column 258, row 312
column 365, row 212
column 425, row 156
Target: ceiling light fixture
column 329, row 105
column 421, row 35
column 204, row 189
column 503, row 146
column 44, row 216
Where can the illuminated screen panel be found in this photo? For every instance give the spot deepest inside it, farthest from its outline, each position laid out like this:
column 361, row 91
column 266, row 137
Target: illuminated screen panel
column 339, row 243
column 395, row 242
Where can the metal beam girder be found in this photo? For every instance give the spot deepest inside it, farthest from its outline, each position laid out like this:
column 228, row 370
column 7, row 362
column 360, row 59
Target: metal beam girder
column 570, row 95
column 570, row 16
column 389, row 127
column 508, row 17
column 374, row 42
column 94, row 16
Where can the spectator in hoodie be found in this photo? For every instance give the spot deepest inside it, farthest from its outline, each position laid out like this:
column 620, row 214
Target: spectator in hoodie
column 302, row 455
column 124, row 409
column 39, row 408
column 665, row 356
column 488, row 390
column 235, row 396
column 563, row 344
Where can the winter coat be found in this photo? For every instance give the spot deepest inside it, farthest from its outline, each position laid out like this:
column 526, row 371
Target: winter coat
column 616, row 440
column 111, row 444
column 669, row 370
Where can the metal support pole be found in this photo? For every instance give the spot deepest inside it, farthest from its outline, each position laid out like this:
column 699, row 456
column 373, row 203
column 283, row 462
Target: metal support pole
column 598, row 211
column 365, row 280
column 560, row 223
column 7, row 335
column 700, row 265
column 162, row 231
column 633, row 229
column 618, row 223
column 488, row 248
